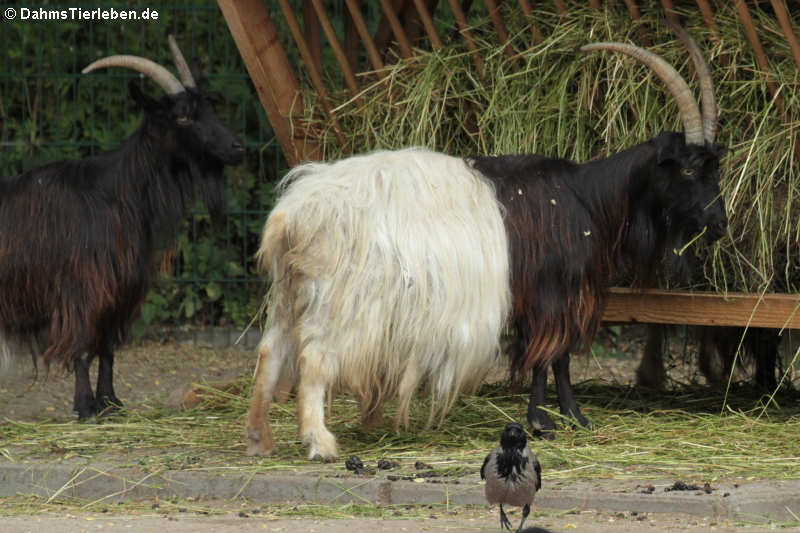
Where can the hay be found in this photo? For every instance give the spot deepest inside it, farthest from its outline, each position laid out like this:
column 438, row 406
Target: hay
column 550, row 99
column 635, row 437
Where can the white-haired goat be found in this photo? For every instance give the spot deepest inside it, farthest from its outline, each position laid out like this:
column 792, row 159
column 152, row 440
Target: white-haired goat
column 389, row 271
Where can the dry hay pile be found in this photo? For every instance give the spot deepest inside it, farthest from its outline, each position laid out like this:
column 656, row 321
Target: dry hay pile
column 548, row 98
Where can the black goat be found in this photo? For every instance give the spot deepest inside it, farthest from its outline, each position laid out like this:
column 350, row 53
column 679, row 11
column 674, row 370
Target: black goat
column 575, row 229
column 79, row 238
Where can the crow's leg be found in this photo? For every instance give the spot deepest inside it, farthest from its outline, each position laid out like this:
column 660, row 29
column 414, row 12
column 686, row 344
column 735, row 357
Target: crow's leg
column 504, row 521
column 525, row 512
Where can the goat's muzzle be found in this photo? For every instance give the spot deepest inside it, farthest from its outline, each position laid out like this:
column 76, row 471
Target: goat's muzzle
column 236, row 153
column 715, row 230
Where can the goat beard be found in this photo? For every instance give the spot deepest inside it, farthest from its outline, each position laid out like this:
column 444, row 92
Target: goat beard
column 210, row 179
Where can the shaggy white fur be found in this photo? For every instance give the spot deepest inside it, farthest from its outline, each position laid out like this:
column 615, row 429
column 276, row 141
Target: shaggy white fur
column 389, row 271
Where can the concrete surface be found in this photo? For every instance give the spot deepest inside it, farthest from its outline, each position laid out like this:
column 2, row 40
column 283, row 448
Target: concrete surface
column 98, row 482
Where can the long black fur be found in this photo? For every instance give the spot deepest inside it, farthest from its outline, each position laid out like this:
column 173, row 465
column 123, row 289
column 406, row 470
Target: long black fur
column 79, row 238
column 576, row 229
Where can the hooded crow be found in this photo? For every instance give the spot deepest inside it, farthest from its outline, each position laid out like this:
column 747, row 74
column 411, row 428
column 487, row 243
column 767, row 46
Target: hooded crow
column 512, row 474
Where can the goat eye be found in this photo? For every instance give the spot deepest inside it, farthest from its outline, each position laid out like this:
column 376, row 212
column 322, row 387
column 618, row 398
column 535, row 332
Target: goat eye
column 688, row 172
column 183, row 121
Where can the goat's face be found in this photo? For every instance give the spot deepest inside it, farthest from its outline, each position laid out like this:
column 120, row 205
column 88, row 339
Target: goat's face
column 200, row 132
column 190, row 128
column 688, row 180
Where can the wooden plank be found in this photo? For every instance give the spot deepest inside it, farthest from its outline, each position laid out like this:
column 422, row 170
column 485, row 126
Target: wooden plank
column 499, row 26
column 755, row 43
column 314, row 72
column 351, row 49
column 670, row 10
column 525, row 5
column 785, row 23
column 703, row 308
column 311, row 32
column 463, row 27
column 396, row 26
column 366, row 38
column 338, row 51
column 427, row 22
column 708, row 14
column 271, row 74
column 633, row 9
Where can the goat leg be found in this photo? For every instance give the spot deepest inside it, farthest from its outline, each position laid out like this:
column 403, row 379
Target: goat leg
column 764, row 344
column 566, row 396
column 541, row 423
column 83, row 403
column 105, row 397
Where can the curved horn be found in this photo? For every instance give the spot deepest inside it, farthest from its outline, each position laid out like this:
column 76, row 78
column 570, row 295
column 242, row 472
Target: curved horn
column 709, row 103
column 151, row 69
column 687, row 106
column 184, row 72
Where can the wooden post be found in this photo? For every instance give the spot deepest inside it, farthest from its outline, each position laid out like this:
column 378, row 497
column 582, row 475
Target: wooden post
column 271, row 73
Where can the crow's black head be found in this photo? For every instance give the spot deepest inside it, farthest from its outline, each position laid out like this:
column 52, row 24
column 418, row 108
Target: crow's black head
column 513, row 437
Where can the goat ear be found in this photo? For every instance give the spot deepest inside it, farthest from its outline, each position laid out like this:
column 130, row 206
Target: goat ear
column 668, row 148
column 196, row 67
column 142, row 100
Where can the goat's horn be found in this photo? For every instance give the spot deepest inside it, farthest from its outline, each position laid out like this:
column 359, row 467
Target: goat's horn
column 687, row 106
column 163, row 77
column 709, row 104
column 184, row 72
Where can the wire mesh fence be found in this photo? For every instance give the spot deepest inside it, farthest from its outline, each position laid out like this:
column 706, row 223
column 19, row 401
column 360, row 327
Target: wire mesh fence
column 49, row 111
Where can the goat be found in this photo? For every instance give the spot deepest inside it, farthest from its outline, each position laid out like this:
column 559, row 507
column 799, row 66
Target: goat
column 394, row 269
column 79, row 239
column 388, row 270
column 718, row 347
column 576, row 229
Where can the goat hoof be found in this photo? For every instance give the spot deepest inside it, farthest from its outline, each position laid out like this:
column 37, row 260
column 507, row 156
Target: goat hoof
column 86, row 413
column 544, row 434
column 540, row 422
column 107, row 406
column 256, row 446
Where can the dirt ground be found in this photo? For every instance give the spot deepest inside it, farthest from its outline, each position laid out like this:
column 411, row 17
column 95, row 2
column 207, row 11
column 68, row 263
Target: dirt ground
column 153, row 373
column 157, row 372
column 459, row 522
column 145, row 373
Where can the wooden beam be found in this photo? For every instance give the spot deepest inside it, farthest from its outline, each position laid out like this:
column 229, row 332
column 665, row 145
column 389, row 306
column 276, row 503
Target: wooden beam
column 703, row 308
column 361, row 26
column 785, row 23
column 499, row 26
column 314, row 72
column 427, row 22
column 338, row 51
column 669, row 8
column 463, row 28
column 390, row 15
column 311, row 32
column 528, row 11
column 271, row 73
